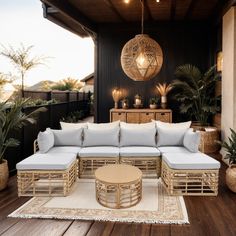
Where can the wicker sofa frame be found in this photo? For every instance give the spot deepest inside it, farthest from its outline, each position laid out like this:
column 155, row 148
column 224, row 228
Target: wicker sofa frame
column 47, row 182
column 190, row 182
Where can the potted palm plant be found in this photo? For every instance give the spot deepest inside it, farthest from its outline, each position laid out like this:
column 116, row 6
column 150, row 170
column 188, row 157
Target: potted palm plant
column 230, row 148
column 11, row 118
column 196, row 93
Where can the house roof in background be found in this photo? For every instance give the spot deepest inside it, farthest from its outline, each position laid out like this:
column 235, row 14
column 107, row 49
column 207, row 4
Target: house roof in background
column 88, row 77
column 82, row 17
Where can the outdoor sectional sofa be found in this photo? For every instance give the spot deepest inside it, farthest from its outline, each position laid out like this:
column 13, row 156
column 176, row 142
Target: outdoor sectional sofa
column 169, row 150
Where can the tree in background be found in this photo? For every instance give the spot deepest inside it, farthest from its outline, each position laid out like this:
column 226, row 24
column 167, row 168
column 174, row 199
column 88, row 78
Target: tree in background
column 69, row 84
column 22, row 61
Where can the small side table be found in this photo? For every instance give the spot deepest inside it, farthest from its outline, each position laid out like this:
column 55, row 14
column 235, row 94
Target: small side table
column 118, row 185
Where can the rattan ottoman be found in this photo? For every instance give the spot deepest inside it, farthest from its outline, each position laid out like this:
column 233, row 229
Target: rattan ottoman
column 190, row 174
column 41, row 180
column 118, row 185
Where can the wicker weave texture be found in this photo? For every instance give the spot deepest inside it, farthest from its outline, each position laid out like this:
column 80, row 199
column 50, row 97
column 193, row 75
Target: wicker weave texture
column 150, row 166
column 141, row 58
column 190, row 182
column 4, row 174
column 88, row 165
column 119, row 195
column 208, row 142
column 46, row 182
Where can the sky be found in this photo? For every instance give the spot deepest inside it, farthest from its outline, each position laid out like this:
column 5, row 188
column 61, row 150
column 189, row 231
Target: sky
column 21, row 21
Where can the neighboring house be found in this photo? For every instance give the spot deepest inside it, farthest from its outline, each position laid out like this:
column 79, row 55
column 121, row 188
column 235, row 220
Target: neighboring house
column 89, row 84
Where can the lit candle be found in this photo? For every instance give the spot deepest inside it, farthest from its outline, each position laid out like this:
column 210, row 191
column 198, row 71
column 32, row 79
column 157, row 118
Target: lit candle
column 138, row 101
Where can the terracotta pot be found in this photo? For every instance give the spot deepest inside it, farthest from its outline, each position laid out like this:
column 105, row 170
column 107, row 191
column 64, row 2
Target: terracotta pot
column 231, row 178
column 4, row 175
column 153, row 106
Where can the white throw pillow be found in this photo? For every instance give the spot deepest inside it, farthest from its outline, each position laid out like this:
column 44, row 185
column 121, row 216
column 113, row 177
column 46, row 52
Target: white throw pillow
column 168, row 136
column 103, row 126
column 138, row 135
column 192, row 140
column 65, row 125
column 68, row 137
column 45, row 140
column 106, row 137
column 185, row 125
column 133, row 126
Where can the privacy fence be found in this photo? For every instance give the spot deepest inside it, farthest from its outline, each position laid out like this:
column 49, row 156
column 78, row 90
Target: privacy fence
column 67, row 102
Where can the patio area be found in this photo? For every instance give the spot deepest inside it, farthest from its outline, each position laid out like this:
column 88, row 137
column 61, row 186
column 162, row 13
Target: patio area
column 207, row 216
column 152, row 150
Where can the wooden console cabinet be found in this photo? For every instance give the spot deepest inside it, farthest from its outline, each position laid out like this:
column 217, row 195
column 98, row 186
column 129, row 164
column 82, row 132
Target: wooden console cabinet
column 140, row 115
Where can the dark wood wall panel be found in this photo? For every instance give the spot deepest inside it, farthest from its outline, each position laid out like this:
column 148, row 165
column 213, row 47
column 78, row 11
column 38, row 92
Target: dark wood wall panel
column 180, row 44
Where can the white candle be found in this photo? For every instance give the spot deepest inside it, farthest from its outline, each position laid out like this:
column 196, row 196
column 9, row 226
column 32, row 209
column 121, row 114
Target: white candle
column 138, row 101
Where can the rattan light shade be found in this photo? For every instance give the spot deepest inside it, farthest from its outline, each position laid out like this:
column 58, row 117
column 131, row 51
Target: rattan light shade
column 141, row 58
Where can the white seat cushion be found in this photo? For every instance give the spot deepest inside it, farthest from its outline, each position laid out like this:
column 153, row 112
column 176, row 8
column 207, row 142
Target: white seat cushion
column 60, row 161
column 139, row 151
column 191, row 161
column 173, row 149
column 65, row 149
column 99, row 151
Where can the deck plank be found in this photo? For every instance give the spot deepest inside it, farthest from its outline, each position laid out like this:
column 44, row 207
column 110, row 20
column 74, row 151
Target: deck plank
column 207, row 215
column 80, row 228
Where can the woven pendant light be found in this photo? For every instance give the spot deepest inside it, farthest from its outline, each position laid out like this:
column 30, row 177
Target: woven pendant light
column 141, row 57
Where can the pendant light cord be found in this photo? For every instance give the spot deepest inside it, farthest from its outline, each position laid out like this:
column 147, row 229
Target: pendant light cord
column 141, row 1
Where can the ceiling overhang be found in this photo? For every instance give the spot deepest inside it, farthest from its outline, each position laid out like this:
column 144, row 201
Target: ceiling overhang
column 85, row 16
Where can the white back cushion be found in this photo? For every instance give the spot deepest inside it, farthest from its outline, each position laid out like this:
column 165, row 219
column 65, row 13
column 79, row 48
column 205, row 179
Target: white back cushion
column 170, row 137
column 45, row 140
column 138, row 134
column 106, row 137
column 171, row 134
column 191, row 140
column 133, row 126
column 65, row 125
column 104, row 126
column 68, row 137
column 179, row 125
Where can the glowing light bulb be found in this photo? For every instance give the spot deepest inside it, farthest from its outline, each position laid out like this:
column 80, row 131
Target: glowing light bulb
column 126, row 1
column 157, row 0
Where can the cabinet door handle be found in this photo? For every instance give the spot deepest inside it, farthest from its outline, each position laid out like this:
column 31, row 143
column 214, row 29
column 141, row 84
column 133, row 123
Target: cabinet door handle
column 147, row 114
column 162, row 114
column 119, row 113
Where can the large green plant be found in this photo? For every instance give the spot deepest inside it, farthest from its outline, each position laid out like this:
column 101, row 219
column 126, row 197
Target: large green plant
column 230, row 147
column 12, row 117
column 195, row 92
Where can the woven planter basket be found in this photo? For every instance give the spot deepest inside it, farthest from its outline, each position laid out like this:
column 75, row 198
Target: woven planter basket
column 208, row 139
column 4, row 175
column 231, row 178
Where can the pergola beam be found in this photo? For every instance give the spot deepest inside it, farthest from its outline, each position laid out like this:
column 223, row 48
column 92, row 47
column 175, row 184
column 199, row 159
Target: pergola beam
column 114, row 10
column 172, row 10
column 190, row 9
column 73, row 14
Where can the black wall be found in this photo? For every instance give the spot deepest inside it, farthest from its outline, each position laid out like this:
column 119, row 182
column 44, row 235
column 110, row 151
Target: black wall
column 181, row 43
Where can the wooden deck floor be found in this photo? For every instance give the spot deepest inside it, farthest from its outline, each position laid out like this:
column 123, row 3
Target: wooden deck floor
column 209, row 216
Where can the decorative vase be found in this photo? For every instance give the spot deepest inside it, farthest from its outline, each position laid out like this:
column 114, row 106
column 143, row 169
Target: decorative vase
column 4, row 174
column 231, row 178
column 163, row 99
column 153, row 106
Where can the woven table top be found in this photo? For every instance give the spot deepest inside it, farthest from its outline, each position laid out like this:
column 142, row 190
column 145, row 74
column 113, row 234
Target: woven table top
column 118, row 174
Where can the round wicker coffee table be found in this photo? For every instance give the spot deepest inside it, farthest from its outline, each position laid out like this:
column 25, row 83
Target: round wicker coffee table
column 118, row 185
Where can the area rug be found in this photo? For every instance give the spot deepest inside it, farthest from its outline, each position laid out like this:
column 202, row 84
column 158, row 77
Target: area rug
column 156, row 206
